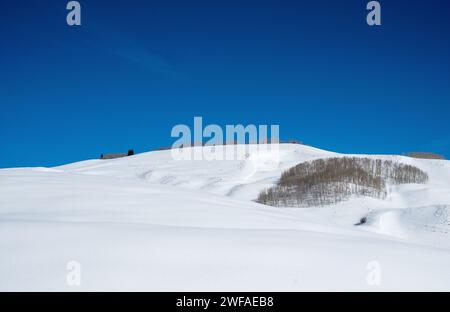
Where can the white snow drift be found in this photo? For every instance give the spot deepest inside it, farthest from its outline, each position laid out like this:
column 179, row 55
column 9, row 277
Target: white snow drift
column 147, row 222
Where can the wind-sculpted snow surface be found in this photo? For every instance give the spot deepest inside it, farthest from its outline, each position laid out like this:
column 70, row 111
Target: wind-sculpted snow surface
column 429, row 222
column 147, row 222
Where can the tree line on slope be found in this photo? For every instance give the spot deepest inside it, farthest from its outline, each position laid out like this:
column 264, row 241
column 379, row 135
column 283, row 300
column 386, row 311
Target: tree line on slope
column 425, row 155
column 331, row 180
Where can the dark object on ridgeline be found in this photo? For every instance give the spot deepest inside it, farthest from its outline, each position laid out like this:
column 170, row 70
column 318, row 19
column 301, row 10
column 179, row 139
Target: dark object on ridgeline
column 112, row 156
column 362, row 221
column 294, row 141
column 425, row 155
column 118, row 155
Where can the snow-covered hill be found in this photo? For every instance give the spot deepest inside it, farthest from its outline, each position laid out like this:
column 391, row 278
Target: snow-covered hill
column 148, row 222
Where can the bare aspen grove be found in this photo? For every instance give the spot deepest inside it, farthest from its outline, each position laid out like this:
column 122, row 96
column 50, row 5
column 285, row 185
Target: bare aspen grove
column 330, row 180
column 425, row 155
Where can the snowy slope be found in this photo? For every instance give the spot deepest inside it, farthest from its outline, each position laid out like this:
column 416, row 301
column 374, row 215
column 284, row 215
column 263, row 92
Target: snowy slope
column 148, row 222
column 243, row 178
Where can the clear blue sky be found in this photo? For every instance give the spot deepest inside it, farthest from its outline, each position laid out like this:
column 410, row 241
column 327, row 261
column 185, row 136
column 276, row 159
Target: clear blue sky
column 134, row 69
